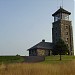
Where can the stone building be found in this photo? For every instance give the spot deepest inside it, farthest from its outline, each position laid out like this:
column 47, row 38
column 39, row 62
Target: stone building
column 61, row 28
column 41, row 49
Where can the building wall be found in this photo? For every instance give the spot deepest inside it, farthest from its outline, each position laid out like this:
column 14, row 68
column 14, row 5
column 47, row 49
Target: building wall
column 67, row 34
column 43, row 52
column 56, row 32
column 63, row 29
column 33, row 52
column 40, row 52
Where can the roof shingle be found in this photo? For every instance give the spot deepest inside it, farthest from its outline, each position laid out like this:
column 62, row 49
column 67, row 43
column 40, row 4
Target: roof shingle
column 42, row 45
column 61, row 10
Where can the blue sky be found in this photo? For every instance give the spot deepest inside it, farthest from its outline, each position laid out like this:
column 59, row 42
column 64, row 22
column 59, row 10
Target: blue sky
column 24, row 23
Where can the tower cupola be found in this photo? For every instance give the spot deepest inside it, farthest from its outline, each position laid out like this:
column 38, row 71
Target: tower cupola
column 61, row 14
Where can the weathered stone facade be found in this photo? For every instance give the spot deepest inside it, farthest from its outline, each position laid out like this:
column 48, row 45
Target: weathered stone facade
column 62, row 28
column 40, row 52
column 33, row 52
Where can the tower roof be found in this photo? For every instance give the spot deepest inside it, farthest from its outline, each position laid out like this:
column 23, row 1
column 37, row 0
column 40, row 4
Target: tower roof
column 61, row 10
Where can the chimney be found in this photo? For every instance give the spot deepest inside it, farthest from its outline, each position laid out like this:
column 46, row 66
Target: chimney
column 43, row 40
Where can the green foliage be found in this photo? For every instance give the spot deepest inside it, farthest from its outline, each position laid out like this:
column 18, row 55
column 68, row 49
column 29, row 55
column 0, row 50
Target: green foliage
column 60, row 48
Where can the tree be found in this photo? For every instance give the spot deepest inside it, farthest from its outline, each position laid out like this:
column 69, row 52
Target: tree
column 60, row 48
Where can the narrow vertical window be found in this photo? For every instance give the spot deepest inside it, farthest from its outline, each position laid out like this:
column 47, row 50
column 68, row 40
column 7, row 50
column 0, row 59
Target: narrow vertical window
column 66, row 33
column 66, row 27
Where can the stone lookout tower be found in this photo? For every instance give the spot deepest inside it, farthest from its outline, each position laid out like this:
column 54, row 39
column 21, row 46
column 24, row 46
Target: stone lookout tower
column 62, row 28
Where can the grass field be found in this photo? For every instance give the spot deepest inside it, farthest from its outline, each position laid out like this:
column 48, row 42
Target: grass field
column 55, row 59
column 38, row 69
column 10, row 59
column 51, row 66
column 48, row 59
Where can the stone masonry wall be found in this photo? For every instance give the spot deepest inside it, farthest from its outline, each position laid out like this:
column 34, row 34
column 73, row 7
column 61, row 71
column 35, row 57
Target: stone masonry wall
column 40, row 52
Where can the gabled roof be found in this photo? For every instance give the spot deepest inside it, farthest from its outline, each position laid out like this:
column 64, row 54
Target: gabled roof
column 61, row 10
column 42, row 45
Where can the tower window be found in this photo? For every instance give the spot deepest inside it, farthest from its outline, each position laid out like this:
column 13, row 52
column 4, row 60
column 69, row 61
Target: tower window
column 67, row 44
column 56, row 40
column 66, row 39
column 56, row 28
column 56, row 34
column 65, row 16
column 66, row 33
column 66, row 27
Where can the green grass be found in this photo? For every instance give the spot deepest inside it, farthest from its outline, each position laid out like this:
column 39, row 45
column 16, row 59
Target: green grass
column 48, row 59
column 55, row 59
column 10, row 59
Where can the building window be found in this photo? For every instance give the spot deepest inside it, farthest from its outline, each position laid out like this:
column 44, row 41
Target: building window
column 66, row 39
column 56, row 34
column 66, row 33
column 67, row 44
column 56, row 28
column 56, row 40
column 65, row 16
column 66, row 27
